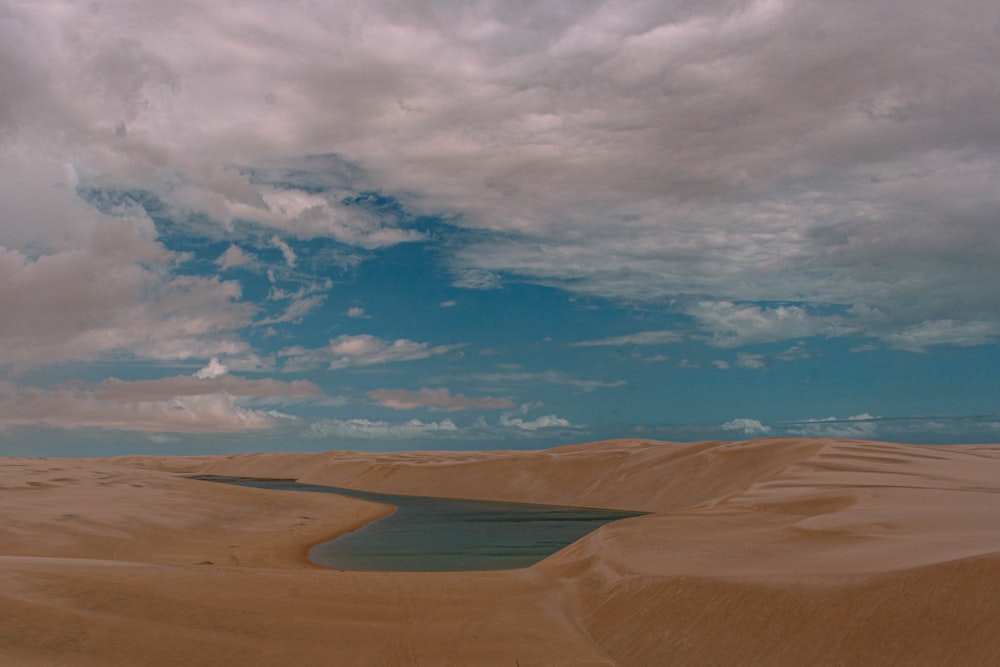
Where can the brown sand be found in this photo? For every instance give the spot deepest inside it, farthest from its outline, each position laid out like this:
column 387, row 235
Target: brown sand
column 768, row 552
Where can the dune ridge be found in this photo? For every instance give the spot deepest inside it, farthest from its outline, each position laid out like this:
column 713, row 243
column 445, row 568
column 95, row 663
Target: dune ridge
column 643, row 475
column 772, row 551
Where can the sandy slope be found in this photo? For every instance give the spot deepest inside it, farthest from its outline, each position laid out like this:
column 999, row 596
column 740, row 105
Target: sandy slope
column 765, row 552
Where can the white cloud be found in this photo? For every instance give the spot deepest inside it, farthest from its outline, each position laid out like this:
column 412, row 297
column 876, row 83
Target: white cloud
column 734, row 325
column 184, row 404
column 365, row 428
column 321, row 214
column 756, row 361
column 361, row 350
column 862, row 426
column 286, row 251
column 662, row 337
column 746, row 426
column 356, row 312
column 213, row 369
column 112, row 295
column 440, row 399
column 302, row 301
column 297, row 309
column 525, row 408
column 919, row 337
column 794, row 353
column 232, row 257
column 750, row 361
column 448, row 304
column 547, row 421
column 476, row 279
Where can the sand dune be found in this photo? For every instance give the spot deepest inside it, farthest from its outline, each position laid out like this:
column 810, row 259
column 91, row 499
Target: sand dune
column 769, row 552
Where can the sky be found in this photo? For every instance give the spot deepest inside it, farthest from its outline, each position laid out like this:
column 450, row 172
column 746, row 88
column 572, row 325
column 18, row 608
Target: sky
column 302, row 226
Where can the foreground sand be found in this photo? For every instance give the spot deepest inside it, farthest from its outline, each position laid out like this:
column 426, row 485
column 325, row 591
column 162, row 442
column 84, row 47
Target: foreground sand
column 769, row 552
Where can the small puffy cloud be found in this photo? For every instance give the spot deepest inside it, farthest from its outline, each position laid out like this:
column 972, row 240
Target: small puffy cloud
column 746, row 426
column 794, row 353
column 661, row 337
column 750, row 361
column 440, row 399
column 547, row 421
column 232, row 257
column 476, row 279
column 720, row 364
column 448, row 304
column 357, row 312
column 366, row 428
column 361, row 350
column 212, row 370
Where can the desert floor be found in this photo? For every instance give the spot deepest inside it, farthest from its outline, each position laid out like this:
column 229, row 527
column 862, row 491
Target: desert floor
column 767, row 552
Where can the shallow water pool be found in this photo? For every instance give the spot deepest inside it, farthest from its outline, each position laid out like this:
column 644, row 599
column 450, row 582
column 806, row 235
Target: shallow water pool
column 428, row 534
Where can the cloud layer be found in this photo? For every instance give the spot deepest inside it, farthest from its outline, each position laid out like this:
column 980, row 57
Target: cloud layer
column 754, row 171
column 746, row 152
column 175, row 404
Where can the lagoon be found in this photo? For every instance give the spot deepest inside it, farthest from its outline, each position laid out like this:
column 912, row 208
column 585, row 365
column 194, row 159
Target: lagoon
column 430, row 534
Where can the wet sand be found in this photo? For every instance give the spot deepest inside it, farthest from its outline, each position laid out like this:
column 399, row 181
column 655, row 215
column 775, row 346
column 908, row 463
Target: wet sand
column 766, row 552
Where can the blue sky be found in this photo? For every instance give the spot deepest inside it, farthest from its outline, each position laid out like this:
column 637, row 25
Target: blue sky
column 481, row 226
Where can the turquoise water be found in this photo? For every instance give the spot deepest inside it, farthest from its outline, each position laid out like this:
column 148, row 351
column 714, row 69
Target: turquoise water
column 426, row 534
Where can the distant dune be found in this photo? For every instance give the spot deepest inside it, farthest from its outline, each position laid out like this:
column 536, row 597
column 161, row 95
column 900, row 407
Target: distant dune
column 766, row 552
